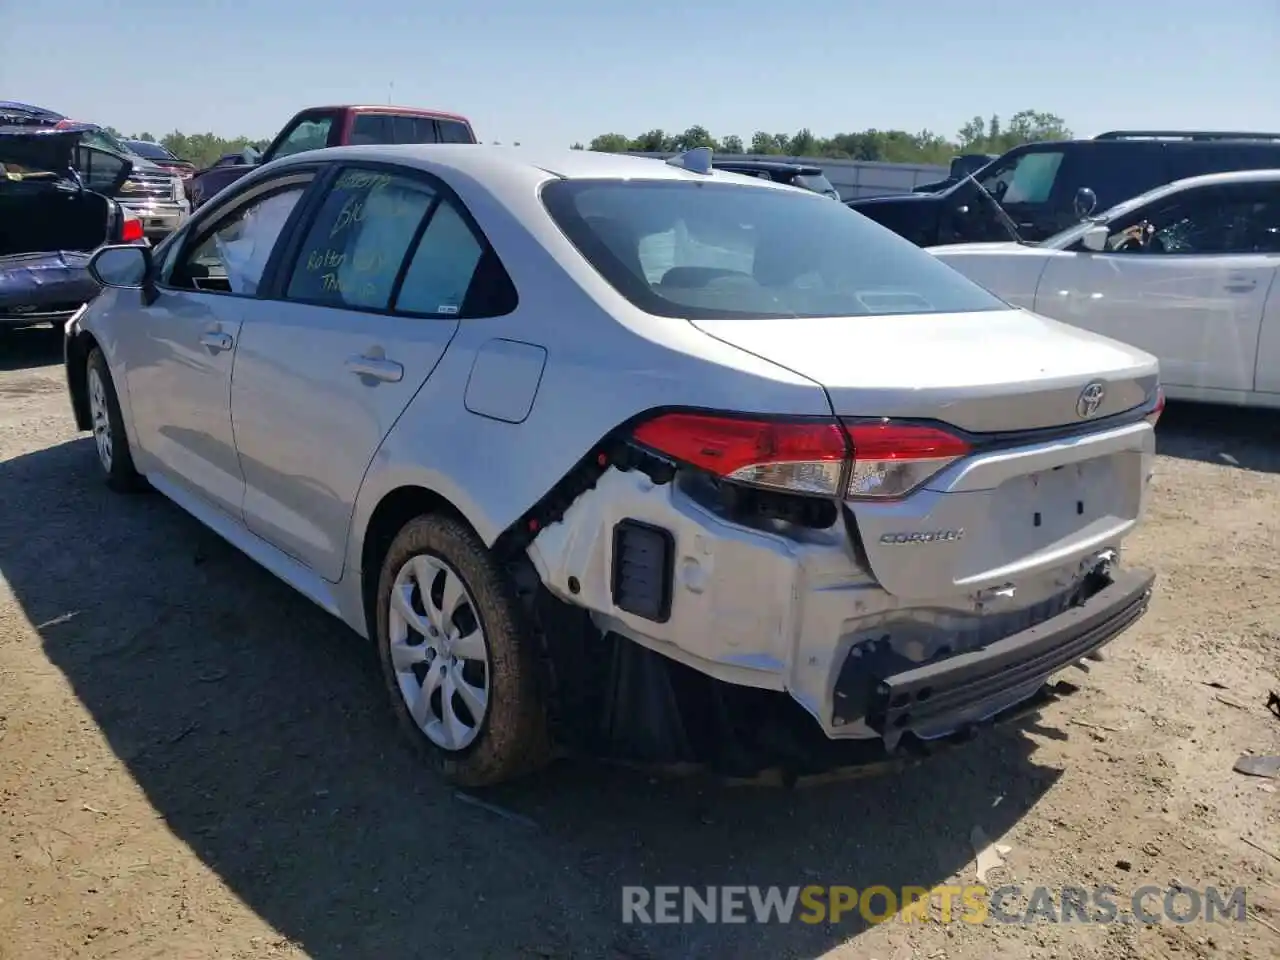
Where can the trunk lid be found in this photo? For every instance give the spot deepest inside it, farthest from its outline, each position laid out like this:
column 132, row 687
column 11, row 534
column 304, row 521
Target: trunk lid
column 53, row 150
column 1047, row 485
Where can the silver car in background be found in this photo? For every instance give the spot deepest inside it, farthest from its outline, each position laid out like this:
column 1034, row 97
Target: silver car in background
column 639, row 458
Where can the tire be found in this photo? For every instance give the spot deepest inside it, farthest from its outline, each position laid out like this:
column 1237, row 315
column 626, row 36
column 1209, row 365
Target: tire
column 110, row 438
column 435, row 554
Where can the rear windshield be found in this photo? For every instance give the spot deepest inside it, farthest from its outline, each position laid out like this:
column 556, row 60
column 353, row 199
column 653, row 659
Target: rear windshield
column 707, row 250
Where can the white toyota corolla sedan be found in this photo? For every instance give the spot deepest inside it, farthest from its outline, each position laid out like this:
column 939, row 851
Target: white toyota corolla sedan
column 625, row 456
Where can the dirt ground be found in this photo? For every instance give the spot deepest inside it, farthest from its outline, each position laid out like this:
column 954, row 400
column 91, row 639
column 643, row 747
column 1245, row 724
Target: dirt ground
column 196, row 762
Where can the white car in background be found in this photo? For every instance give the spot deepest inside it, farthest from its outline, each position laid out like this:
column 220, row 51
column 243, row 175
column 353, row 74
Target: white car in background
column 1186, row 271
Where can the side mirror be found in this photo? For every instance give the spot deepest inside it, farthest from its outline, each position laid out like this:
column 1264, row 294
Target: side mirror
column 1095, row 238
column 250, row 156
column 1085, row 203
column 125, row 266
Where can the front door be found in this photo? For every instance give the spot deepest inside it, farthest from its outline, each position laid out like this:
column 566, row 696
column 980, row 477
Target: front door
column 185, row 344
column 366, row 307
column 1185, row 278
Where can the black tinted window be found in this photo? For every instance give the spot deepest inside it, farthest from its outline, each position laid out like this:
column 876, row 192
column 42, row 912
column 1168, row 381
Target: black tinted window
column 354, row 249
column 453, row 131
column 371, row 128
column 1192, row 160
column 1240, row 218
column 1119, row 172
column 98, row 169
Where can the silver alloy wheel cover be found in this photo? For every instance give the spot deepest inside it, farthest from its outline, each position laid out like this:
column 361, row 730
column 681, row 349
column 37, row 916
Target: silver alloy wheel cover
column 428, row 653
column 101, row 419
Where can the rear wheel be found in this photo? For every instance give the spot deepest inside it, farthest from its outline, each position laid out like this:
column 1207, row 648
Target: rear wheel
column 458, row 656
column 107, row 422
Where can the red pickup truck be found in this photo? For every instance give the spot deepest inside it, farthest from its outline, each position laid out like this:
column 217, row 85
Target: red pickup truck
column 318, row 127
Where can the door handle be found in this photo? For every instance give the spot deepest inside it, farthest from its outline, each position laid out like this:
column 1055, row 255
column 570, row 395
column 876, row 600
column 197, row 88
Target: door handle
column 1241, row 284
column 379, row 369
column 217, row 341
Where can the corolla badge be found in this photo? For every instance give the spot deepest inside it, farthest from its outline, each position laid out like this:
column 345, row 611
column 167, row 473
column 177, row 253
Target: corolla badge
column 927, row 536
column 1090, row 400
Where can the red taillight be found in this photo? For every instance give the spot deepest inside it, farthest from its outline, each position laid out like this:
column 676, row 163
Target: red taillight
column 1154, row 416
column 883, row 459
column 804, row 456
column 131, row 230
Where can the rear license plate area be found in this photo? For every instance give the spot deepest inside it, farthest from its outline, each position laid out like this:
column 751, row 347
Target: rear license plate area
column 1054, row 503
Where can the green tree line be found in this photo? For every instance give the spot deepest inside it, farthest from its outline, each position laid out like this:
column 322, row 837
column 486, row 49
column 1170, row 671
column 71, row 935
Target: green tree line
column 979, row 135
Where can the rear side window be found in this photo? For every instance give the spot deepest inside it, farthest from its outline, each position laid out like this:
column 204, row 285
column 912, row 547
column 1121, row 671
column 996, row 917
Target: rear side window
column 1192, row 160
column 442, row 267
column 691, row 249
column 392, row 128
column 1120, row 171
column 354, row 249
column 371, row 128
column 454, row 131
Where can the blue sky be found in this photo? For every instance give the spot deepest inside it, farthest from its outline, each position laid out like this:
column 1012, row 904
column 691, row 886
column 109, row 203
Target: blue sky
column 553, row 72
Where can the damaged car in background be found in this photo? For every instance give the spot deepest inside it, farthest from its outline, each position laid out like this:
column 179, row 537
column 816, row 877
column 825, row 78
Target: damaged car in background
column 52, row 219
column 643, row 460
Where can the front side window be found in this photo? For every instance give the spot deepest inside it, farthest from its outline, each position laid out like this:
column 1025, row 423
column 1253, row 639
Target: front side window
column 232, row 256
column 1222, row 220
column 708, row 250
column 309, row 134
column 354, row 249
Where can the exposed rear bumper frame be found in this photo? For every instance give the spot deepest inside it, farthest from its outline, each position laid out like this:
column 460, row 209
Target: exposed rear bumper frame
column 924, row 697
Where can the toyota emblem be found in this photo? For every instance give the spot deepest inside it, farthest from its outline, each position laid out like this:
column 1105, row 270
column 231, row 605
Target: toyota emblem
column 1090, row 400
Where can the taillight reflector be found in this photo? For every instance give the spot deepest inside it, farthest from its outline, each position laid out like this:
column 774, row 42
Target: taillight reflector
column 880, row 460
column 1154, row 416
column 892, row 459
column 131, row 230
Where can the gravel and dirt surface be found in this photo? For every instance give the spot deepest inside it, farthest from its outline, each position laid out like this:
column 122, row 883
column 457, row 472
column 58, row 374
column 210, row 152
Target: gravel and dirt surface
column 196, row 762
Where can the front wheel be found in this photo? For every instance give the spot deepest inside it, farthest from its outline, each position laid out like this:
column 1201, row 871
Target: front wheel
column 109, row 434
column 458, row 656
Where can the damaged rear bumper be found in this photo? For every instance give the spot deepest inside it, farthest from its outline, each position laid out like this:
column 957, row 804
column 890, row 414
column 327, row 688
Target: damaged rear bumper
column 801, row 615
column 942, row 697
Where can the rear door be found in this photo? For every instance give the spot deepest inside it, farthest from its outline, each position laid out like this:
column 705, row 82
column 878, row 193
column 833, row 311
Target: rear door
column 1193, row 296
column 366, row 303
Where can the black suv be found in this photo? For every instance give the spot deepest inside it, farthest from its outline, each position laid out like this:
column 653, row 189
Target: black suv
column 803, row 175
column 1047, row 187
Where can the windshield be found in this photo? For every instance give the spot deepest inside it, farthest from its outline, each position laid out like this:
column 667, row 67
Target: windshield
column 719, row 250
column 105, row 141
column 817, row 183
column 152, row 151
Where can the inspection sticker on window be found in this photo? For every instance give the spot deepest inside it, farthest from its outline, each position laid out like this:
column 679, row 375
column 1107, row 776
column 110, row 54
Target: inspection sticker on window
column 447, row 309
